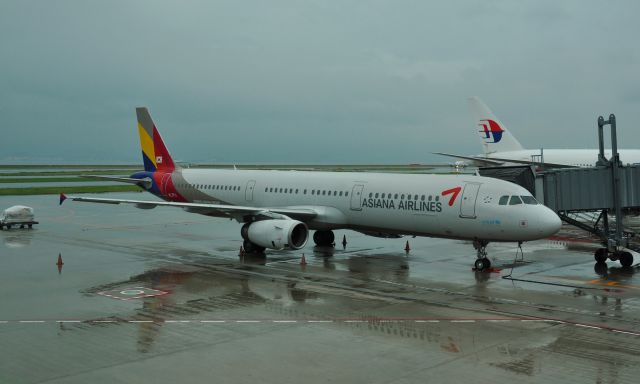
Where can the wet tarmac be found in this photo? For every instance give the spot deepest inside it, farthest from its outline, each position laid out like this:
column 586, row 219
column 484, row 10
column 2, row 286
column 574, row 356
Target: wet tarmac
column 163, row 296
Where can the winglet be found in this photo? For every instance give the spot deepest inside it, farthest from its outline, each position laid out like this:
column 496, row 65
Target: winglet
column 62, row 198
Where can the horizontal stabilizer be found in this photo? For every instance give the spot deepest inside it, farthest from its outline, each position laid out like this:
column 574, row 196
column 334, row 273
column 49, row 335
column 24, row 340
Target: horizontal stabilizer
column 145, row 183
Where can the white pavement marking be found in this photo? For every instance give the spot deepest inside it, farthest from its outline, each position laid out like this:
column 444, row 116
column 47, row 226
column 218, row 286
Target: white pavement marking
column 31, row 321
column 213, row 321
column 355, row 321
column 587, row 326
column 319, row 321
column 498, row 320
column 177, row 321
column 103, row 321
column 285, row 321
column 463, row 321
column 68, row 321
column 248, row 321
column 625, row 332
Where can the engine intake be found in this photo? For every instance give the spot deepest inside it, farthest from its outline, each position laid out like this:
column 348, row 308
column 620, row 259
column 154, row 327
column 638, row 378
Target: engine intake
column 277, row 233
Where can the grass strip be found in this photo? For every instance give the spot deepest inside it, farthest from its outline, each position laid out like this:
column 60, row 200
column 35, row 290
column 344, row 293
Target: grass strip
column 78, row 189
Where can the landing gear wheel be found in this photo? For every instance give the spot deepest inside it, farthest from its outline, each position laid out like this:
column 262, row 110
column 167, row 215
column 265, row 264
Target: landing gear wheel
column 479, row 264
column 324, row 238
column 601, row 255
column 625, row 258
column 250, row 247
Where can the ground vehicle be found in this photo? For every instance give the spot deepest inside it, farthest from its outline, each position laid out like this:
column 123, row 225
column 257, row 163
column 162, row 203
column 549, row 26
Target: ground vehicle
column 18, row 215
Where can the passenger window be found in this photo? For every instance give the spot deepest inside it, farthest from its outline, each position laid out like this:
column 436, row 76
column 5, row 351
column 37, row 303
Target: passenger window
column 304, row 192
column 296, row 191
column 401, row 197
column 340, row 193
column 529, row 200
column 382, row 196
column 324, row 193
column 376, row 195
column 503, row 200
column 346, row 193
column 515, row 200
column 313, row 191
column 395, row 196
column 415, row 197
column 422, row 197
column 437, row 198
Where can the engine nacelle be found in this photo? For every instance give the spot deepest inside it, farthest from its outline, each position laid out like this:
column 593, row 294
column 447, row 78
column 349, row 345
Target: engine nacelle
column 277, row 233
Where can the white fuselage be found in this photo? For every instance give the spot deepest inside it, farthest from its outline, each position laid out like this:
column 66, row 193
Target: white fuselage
column 406, row 204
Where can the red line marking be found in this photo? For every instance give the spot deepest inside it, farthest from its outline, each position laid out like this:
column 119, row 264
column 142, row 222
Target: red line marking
column 455, row 191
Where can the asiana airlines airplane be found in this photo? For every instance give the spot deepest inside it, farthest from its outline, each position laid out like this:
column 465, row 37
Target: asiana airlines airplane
column 278, row 208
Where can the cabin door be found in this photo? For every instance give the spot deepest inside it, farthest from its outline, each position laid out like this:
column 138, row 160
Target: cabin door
column 248, row 193
column 468, row 202
column 356, row 197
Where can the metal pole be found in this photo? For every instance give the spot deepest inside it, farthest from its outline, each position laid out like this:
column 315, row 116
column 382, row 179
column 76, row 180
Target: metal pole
column 615, row 168
column 601, row 159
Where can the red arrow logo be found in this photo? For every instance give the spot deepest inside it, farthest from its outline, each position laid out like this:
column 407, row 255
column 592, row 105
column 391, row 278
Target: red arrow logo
column 454, row 192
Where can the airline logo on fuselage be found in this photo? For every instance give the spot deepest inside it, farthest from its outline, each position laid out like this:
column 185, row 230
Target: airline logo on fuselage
column 491, row 131
column 412, row 204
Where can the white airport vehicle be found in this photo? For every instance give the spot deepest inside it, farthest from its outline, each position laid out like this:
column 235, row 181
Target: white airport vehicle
column 19, row 216
column 500, row 147
column 277, row 208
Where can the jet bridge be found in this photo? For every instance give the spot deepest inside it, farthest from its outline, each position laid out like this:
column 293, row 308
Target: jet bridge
column 594, row 199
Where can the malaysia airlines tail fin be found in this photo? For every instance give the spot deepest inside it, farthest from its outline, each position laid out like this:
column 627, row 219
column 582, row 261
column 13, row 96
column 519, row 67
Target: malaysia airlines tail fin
column 155, row 155
column 494, row 135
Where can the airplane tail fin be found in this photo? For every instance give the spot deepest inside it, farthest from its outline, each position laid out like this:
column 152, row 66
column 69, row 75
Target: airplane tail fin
column 155, row 155
column 494, row 135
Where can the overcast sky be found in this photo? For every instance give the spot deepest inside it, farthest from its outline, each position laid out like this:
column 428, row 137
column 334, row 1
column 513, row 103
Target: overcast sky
column 310, row 81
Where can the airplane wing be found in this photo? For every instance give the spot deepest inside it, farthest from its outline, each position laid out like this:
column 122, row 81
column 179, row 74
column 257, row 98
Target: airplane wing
column 486, row 161
column 498, row 161
column 531, row 162
column 233, row 211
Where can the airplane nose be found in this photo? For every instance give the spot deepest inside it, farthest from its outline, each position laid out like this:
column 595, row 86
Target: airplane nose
column 550, row 222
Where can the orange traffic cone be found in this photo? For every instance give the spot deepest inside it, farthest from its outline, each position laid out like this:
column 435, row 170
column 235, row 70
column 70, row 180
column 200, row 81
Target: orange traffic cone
column 303, row 261
column 406, row 247
column 59, row 263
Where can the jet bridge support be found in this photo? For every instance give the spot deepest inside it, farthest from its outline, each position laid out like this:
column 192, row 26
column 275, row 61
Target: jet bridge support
column 589, row 197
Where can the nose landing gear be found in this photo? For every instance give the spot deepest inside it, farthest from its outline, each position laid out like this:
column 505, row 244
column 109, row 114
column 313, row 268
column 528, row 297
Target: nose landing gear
column 482, row 262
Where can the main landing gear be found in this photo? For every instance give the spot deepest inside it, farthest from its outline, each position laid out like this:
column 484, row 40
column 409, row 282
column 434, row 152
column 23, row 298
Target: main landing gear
column 324, row 238
column 482, row 262
column 602, row 254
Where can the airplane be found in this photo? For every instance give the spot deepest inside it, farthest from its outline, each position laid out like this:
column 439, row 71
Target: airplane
column 278, row 208
column 500, row 147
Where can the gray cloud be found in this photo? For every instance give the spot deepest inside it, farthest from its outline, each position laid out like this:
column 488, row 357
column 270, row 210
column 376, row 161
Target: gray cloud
column 312, row 81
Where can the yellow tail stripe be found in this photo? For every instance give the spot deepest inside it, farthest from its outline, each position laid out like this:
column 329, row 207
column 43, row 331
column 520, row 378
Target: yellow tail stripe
column 146, row 143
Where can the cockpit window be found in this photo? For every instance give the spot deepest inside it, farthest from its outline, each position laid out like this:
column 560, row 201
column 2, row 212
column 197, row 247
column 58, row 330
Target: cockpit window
column 503, row 200
column 529, row 200
column 515, row 200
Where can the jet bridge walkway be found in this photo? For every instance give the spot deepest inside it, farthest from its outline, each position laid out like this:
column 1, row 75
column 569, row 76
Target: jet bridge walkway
column 593, row 199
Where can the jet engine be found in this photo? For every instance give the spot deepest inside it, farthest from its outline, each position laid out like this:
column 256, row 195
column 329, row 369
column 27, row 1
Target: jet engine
column 276, row 233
